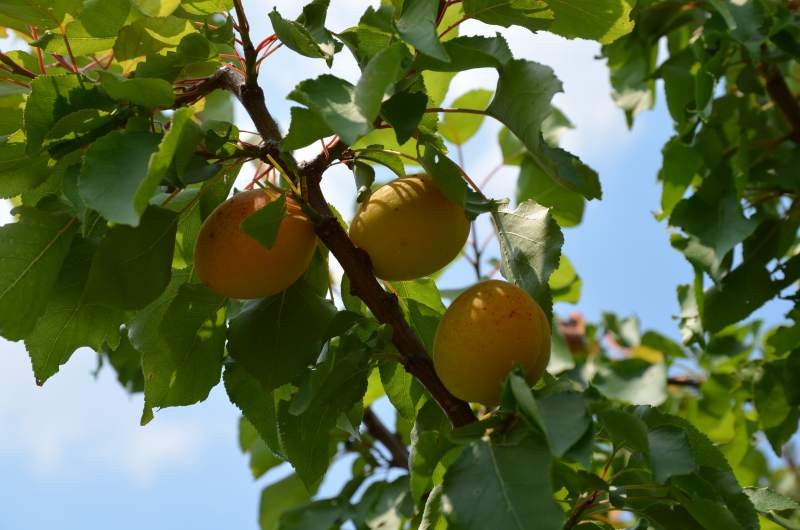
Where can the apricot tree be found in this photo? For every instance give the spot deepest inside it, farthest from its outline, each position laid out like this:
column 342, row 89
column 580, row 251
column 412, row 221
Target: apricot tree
column 120, row 155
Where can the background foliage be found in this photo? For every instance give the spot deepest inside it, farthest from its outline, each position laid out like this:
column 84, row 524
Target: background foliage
column 118, row 142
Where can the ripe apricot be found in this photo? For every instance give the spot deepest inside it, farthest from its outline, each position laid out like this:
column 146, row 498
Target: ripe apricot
column 488, row 329
column 235, row 265
column 409, row 229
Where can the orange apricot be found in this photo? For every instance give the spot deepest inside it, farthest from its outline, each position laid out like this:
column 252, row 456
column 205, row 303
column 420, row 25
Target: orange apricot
column 233, row 264
column 488, row 329
column 409, row 229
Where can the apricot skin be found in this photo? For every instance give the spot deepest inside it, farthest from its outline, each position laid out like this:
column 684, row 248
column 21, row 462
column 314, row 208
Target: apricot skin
column 488, row 329
column 409, row 229
column 233, row 264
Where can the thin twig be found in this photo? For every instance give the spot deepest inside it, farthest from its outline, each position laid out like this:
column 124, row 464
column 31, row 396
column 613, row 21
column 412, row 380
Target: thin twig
column 390, row 440
column 16, row 68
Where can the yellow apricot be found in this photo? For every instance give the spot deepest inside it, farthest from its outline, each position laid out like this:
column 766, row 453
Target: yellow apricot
column 235, row 265
column 488, row 329
column 409, row 229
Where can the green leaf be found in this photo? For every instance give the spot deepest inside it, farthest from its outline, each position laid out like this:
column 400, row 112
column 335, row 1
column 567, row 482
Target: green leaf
column 430, row 446
column 403, row 390
column 276, row 338
column 766, row 500
column 467, row 53
column 19, row 14
column 567, row 170
column 176, row 148
column 104, row 18
column 633, row 381
column 537, row 182
column 632, row 62
column 566, row 419
column 460, row 127
column 307, row 35
column 770, row 396
column 385, row 504
column 526, row 402
column 565, row 284
column 133, row 266
column 379, row 74
column 149, row 93
column 508, row 485
column 670, row 453
column 53, row 97
column 207, row 7
column 737, row 295
column 183, row 360
column 432, row 518
column 20, row 172
column 513, row 150
column 261, row 458
column 522, row 99
column 32, row 251
column 156, row 8
column 324, row 513
column 150, row 35
column 114, row 178
column 716, row 224
column 530, row 246
column 262, row 225
column 417, row 26
column 531, row 15
column 257, row 405
column 81, row 41
column 127, row 363
column 624, row 429
column 404, row 111
column 422, row 306
column 681, row 164
column 601, row 20
column 378, row 156
column 333, row 100
column 336, row 384
column 445, row 173
column 305, row 128
column 280, row 497
column 70, row 320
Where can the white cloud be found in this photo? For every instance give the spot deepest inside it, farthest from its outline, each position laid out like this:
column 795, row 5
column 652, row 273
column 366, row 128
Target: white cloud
column 76, row 423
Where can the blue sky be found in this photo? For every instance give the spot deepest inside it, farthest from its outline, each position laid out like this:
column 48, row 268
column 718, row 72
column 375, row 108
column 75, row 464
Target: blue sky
column 72, row 454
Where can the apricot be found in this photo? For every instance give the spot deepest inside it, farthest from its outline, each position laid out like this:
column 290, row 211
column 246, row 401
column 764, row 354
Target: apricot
column 409, row 229
column 488, row 329
column 233, row 264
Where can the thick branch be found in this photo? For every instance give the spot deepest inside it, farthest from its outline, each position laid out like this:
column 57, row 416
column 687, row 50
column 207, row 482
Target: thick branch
column 250, row 94
column 354, row 261
column 383, row 305
column 390, row 440
column 784, row 99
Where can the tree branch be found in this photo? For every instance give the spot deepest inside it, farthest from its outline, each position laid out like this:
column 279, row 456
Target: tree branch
column 390, row 440
column 354, row 261
column 250, row 93
column 784, row 99
column 384, row 306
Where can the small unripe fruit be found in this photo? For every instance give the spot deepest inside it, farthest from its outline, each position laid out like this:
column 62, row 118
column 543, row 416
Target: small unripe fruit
column 235, row 265
column 488, row 329
column 409, row 229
